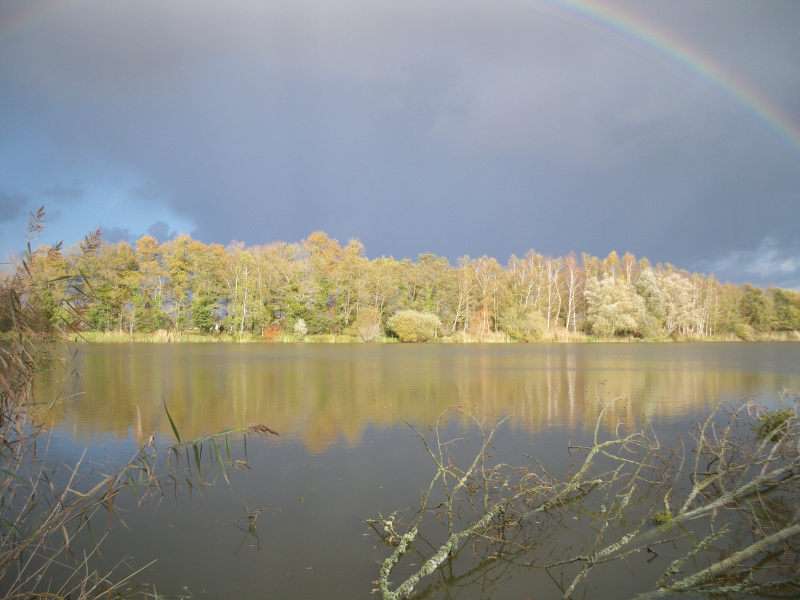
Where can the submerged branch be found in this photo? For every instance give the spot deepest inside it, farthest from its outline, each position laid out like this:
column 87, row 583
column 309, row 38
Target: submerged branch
column 727, row 472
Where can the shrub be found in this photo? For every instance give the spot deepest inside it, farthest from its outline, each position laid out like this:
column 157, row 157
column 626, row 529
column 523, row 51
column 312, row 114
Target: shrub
column 744, row 332
column 414, row 326
column 272, row 332
column 523, row 326
column 368, row 324
column 300, row 329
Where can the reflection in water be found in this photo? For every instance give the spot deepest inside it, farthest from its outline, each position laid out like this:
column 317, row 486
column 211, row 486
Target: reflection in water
column 323, row 393
column 342, row 458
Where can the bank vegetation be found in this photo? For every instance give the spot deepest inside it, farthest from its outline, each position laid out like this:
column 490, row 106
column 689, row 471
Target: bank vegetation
column 317, row 290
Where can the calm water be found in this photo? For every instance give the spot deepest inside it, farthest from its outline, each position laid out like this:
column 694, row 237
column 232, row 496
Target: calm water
column 341, row 457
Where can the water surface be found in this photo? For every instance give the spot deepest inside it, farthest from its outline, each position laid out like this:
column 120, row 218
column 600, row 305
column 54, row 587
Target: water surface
column 341, row 456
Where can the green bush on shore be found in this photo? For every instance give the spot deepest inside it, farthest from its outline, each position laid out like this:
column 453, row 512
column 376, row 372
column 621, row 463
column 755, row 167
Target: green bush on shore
column 414, row 326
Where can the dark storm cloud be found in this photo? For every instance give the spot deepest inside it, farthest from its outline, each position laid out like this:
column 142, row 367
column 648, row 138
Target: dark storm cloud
column 477, row 127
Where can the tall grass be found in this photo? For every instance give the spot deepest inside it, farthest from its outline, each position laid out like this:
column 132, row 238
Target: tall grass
column 161, row 336
column 46, row 517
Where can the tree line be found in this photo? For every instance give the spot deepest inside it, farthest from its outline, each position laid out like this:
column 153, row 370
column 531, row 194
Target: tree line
column 318, row 286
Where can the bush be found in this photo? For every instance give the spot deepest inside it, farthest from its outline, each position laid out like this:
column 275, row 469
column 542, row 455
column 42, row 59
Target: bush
column 744, row 332
column 523, row 326
column 300, row 329
column 414, row 326
column 272, row 332
column 368, row 324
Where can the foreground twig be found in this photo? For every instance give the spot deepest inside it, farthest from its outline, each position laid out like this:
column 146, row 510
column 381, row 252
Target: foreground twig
column 620, row 482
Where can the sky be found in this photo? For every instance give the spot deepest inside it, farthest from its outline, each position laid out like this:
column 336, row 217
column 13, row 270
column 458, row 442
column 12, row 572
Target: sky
column 670, row 130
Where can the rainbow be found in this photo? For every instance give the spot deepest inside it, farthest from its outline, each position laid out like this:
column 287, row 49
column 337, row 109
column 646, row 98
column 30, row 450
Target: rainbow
column 597, row 15
column 675, row 50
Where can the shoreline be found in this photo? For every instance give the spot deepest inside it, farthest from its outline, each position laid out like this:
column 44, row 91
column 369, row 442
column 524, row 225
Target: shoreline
column 171, row 336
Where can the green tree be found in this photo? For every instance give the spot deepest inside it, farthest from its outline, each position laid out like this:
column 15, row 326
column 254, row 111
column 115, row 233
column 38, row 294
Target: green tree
column 207, row 288
column 49, row 281
column 111, row 273
column 785, row 308
column 754, row 308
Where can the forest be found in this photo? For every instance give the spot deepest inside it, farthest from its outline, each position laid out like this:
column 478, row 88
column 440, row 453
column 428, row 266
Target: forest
column 289, row 291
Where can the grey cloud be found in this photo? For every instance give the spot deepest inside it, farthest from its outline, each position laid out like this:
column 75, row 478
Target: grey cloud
column 11, row 205
column 113, row 235
column 771, row 262
column 71, row 192
column 160, row 231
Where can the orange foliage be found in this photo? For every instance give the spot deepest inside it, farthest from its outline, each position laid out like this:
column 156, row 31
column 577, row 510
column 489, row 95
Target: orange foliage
column 271, row 333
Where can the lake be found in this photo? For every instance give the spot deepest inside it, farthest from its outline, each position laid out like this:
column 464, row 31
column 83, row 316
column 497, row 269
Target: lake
column 342, row 456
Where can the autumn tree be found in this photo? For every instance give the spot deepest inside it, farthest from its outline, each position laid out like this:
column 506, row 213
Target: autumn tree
column 240, row 277
column 185, row 283
column 381, row 290
column 178, row 262
column 350, row 277
column 611, row 264
column 284, row 272
column 486, row 273
column 150, row 296
column 367, row 323
column 324, row 254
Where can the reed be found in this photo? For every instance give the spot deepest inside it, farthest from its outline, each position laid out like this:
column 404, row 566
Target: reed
column 46, row 517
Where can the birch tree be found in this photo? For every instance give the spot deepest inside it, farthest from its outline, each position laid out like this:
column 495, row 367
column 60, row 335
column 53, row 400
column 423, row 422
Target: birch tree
column 552, row 270
column 240, row 277
column 486, row 273
column 573, row 283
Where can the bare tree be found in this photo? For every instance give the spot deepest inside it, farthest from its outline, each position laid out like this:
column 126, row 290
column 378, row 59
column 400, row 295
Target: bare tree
column 728, row 502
